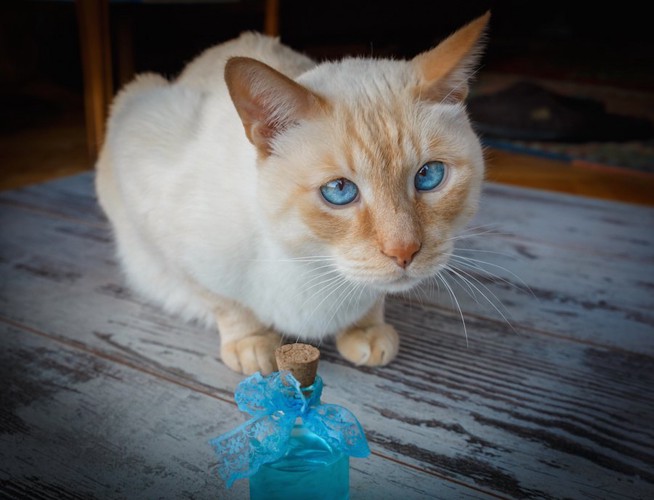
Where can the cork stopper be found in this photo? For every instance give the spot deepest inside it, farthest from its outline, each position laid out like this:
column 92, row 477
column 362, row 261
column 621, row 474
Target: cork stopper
column 301, row 360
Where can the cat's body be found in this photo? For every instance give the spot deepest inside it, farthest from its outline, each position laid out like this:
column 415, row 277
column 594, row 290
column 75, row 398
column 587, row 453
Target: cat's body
column 214, row 184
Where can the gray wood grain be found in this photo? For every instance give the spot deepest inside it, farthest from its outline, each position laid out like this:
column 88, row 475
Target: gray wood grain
column 539, row 287
column 76, row 425
column 557, row 408
column 79, row 426
column 562, row 220
column 511, row 411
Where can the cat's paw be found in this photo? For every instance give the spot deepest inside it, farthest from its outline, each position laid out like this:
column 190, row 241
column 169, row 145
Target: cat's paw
column 375, row 345
column 255, row 353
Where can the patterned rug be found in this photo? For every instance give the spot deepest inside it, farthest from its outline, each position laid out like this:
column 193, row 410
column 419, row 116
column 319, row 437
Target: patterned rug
column 569, row 121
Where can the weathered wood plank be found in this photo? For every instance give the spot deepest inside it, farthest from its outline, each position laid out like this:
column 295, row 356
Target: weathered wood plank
column 440, row 412
column 70, row 197
column 75, row 425
column 586, row 224
column 512, row 411
column 535, row 286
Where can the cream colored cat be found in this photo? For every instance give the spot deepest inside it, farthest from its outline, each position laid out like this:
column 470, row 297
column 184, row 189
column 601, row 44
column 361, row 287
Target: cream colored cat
column 277, row 196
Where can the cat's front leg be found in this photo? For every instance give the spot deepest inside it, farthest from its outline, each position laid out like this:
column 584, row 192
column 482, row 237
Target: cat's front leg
column 370, row 341
column 246, row 345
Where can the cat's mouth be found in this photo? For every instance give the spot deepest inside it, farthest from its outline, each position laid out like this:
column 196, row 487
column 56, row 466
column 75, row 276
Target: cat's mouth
column 405, row 280
column 396, row 280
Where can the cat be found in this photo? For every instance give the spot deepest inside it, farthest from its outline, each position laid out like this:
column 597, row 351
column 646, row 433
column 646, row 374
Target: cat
column 278, row 197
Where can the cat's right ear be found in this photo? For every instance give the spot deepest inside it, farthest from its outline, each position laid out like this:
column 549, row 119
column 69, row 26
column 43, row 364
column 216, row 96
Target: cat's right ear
column 267, row 101
column 444, row 70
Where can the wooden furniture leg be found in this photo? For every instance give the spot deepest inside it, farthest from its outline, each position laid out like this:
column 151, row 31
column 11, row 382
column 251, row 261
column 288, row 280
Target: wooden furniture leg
column 271, row 20
column 93, row 21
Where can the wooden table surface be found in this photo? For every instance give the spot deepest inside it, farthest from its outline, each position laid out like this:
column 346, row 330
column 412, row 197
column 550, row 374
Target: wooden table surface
column 550, row 396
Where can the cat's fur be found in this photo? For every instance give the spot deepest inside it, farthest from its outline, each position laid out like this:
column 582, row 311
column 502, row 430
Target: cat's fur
column 211, row 183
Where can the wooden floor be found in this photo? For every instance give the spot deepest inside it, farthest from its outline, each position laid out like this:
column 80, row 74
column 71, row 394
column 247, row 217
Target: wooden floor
column 538, row 382
column 55, row 147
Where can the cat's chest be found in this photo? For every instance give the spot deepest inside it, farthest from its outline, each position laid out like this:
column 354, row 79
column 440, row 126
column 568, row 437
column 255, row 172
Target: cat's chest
column 308, row 299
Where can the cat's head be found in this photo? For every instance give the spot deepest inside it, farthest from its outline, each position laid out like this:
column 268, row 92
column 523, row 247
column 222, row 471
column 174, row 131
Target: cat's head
column 372, row 162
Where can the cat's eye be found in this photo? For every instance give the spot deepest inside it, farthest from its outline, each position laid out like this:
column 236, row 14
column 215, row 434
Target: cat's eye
column 339, row 191
column 430, row 176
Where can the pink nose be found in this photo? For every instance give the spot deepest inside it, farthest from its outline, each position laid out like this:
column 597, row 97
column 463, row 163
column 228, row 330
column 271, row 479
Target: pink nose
column 402, row 254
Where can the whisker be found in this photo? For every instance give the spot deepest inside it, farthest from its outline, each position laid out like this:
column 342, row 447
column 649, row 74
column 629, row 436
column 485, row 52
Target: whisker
column 319, row 268
column 458, row 306
column 468, row 232
column 421, row 295
column 492, row 276
column 457, row 272
column 326, row 282
column 363, row 289
column 448, row 267
column 336, row 284
column 344, row 297
column 478, row 250
column 486, row 229
column 434, row 282
column 475, row 264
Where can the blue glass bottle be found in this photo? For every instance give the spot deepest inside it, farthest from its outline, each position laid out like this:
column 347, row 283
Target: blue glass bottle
column 309, row 469
column 294, row 446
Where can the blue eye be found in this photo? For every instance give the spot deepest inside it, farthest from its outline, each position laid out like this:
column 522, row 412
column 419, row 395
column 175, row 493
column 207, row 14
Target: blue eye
column 339, row 191
column 430, row 176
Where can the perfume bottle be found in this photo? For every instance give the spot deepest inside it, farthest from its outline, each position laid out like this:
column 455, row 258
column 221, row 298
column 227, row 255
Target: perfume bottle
column 294, row 446
column 310, row 467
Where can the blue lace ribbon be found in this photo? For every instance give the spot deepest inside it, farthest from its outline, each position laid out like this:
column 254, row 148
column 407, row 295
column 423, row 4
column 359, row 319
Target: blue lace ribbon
column 275, row 402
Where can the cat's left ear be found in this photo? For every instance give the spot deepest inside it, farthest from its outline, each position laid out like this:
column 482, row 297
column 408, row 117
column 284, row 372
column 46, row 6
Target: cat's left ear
column 267, row 101
column 444, row 70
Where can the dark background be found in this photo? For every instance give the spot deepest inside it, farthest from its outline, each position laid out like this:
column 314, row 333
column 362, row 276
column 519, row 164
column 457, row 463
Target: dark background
column 602, row 42
column 603, row 46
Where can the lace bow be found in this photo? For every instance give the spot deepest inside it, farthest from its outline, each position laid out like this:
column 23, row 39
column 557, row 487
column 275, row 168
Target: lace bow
column 275, row 402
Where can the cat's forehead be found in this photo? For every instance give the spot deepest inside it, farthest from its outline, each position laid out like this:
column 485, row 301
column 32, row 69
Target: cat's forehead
column 356, row 79
column 390, row 138
column 378, row 137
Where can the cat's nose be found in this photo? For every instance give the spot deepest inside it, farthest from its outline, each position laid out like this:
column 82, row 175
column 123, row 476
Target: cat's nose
column 402, row 254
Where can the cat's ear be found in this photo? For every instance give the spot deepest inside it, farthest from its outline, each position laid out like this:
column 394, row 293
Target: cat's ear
column 444, row 70
column 267, row 101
